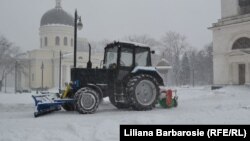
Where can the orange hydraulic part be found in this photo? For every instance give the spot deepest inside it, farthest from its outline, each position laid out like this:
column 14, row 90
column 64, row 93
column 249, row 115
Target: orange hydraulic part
column 169, row 95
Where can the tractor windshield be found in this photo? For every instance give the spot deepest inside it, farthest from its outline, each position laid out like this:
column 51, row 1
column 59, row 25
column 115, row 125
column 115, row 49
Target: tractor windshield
column 126, row 57
column 111, row 57
column 142, row 57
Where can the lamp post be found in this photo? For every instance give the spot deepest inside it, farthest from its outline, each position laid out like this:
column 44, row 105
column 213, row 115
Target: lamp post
column 61, row 54
column 42, row 68
column 60, row 70
column 77, row 25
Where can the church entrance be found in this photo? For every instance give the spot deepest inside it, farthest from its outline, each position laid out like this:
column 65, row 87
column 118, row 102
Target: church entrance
column 242, row 74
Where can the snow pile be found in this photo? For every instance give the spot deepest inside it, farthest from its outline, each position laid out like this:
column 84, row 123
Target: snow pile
column 230, row 105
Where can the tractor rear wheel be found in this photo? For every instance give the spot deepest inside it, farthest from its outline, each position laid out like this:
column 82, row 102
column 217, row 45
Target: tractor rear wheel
column 143, row 92
column 87, row 101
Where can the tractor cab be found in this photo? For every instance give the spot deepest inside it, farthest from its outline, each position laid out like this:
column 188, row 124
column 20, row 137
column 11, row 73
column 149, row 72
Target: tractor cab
column 124, row 57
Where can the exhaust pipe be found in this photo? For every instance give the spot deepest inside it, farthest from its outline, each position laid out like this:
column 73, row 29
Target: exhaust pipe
column 89, row 64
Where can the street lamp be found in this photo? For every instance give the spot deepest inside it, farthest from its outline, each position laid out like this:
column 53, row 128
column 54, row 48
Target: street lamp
column 78, row 25
column 61, row 54
column 60, row 71
column 42, row 68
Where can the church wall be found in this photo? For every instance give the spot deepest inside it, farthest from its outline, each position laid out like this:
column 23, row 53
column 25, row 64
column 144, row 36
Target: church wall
column 221, row 72
column 224, row 37
column 37, row 57
column 51, row 32
column 229, row 8
column 35, row 70
column 220, row 62
column 48, row 78
column 51, row 67
column 25, row 82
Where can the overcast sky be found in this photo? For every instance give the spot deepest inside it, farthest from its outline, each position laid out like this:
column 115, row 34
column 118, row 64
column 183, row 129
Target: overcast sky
column 113, row 19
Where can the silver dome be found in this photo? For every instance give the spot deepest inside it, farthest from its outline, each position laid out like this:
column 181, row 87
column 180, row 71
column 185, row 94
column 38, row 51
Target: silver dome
column 57, row 16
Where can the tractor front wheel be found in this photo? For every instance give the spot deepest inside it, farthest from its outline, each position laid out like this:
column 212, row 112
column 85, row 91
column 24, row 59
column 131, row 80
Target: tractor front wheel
column 143, row 92
column 87, row 101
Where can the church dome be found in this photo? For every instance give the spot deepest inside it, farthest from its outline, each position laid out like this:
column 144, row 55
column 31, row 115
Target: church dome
column 57, row 16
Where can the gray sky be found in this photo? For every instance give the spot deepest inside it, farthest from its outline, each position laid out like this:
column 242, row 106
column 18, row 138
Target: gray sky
column 113, row 19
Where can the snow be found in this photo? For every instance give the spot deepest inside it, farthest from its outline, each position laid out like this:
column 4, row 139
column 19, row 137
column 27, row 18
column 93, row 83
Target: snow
column 230, row 105
column 134, row 43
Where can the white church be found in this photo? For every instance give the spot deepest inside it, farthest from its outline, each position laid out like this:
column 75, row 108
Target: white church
column 231, row 44
column 42, row 65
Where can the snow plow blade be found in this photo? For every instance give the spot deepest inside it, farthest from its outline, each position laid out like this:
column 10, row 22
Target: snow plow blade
column 47, row 103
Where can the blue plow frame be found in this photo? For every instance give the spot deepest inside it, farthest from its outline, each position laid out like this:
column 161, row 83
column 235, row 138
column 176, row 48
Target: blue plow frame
column 47, row 103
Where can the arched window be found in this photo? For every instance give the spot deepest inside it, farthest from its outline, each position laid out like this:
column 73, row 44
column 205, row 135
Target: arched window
column 65, row 41
column 72, row 43
column 241, row 43
column 244, row 6
column 57, row 41
column 45, row 41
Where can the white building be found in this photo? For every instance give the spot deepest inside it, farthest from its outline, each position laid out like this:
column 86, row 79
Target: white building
column 56, row 34
column 231, row 41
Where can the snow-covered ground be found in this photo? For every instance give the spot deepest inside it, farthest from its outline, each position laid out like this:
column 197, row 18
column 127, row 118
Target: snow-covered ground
column 230, row 105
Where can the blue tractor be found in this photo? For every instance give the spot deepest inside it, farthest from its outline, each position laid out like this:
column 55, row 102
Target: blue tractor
column 126, row 77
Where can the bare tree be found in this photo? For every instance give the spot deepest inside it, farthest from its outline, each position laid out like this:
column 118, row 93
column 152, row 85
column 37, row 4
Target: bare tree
column 102, row 44
column 185, row 70
column 147, row 40
column 8, row 54
column 192, row 55
column 201, row 65
column 144, row 39
column 209, row 61
column 204, row 65
column 175, row 46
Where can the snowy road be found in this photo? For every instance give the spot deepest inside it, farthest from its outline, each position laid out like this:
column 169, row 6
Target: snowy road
column 230, row 105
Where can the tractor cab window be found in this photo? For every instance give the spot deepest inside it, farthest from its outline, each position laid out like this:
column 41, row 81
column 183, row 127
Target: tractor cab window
column 111, row 57
column 141, row 57
column 126, row 57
